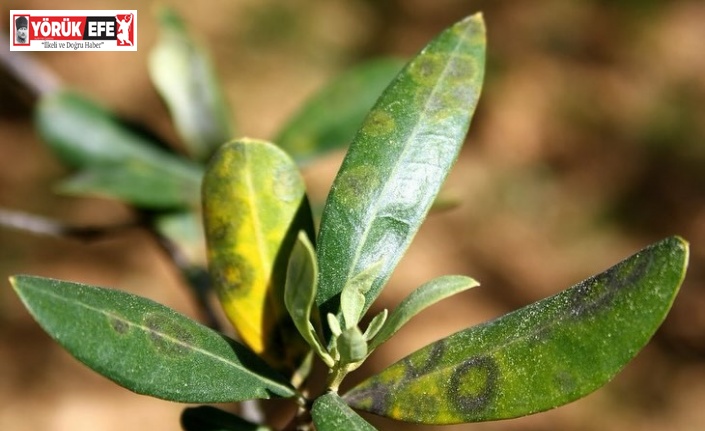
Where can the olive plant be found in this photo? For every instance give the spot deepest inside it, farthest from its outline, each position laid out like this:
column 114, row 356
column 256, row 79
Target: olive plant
column 296, row 293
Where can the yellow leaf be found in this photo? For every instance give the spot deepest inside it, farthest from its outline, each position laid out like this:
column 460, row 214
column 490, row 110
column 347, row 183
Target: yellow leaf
column 254, row 205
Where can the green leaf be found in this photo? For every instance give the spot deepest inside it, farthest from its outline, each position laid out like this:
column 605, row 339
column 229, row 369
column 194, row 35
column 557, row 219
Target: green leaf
column 328, row 120
column 137, row 183
column 147, row 347
column 254, row 205
column 539, row 357
column 330, row 413
column 300, row 292
column 398, row 161
column 185, row 229
column 352, row 346
column 425, row 296
column 185, row 78
column 207, row 418
column 334, row 325
column 375, row 326
column 352, row 299
column 87, row 136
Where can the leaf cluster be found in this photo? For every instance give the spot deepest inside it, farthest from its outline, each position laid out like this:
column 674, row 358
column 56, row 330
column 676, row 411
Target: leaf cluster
column 296, row 294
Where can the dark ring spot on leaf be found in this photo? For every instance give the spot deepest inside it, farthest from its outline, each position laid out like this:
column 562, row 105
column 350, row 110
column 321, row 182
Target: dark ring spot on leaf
column 474, row 384
column 234, row 275
column 597, row 293
column 435, row 354
column 119, row 325
column 167, row 336
column 379, row 123
column 374, row 399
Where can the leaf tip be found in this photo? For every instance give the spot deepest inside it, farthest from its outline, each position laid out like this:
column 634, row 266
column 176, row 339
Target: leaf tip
column 15, row 281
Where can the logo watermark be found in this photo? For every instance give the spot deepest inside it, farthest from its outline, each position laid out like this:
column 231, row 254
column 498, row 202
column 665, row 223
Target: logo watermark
column 73, row 30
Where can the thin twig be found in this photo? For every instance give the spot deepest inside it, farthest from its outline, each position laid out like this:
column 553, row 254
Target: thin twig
column 196, row 277
column 38, row 78
column 44, row 226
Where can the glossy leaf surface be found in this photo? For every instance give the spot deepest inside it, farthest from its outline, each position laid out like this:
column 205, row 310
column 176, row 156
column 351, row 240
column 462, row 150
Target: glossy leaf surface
column 329, row 120
column 147, row 347
column 184, row 76
column 330, row 413
column 539, row 357
column 421, row 298
column 398, row 161
column 207, row 418
column 87, row 136
column 254, row 206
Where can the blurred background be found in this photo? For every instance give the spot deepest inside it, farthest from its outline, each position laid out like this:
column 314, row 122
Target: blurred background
column 588, row 144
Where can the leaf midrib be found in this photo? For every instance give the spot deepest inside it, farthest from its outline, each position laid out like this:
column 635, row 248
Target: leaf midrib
column 374, row 215
column 147, row 330
column 564, row 315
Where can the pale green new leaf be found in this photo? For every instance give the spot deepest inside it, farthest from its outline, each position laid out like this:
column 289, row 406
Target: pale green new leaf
column 147, row 347
column 352, row 346
column 536, row 358
column 421, row 298
column 352, row 299
column 330, row 413
column 375, row 326
column 334, row 325
column 300, row 292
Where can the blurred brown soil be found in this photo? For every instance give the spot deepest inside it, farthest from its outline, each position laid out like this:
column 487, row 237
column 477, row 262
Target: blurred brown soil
column 589, row 143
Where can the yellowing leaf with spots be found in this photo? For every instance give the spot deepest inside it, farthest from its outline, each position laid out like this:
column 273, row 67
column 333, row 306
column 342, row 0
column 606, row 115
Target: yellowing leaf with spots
column 398, row 161
column 254, row 204
column 539, row 357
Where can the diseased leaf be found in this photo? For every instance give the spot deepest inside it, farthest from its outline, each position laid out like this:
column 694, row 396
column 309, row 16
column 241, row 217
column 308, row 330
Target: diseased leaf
column 254, row 205
column 330, row 413
column 300, row 292
column 539, row 357
column 143, row 185
column 147, row 347
column 329, row 120
column 398, row 161
column 207, row 418
column 184, row 76
column 425, row 296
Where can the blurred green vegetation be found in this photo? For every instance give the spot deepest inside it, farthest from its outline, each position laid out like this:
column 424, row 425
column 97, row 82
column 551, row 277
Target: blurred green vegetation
column 588, row 143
